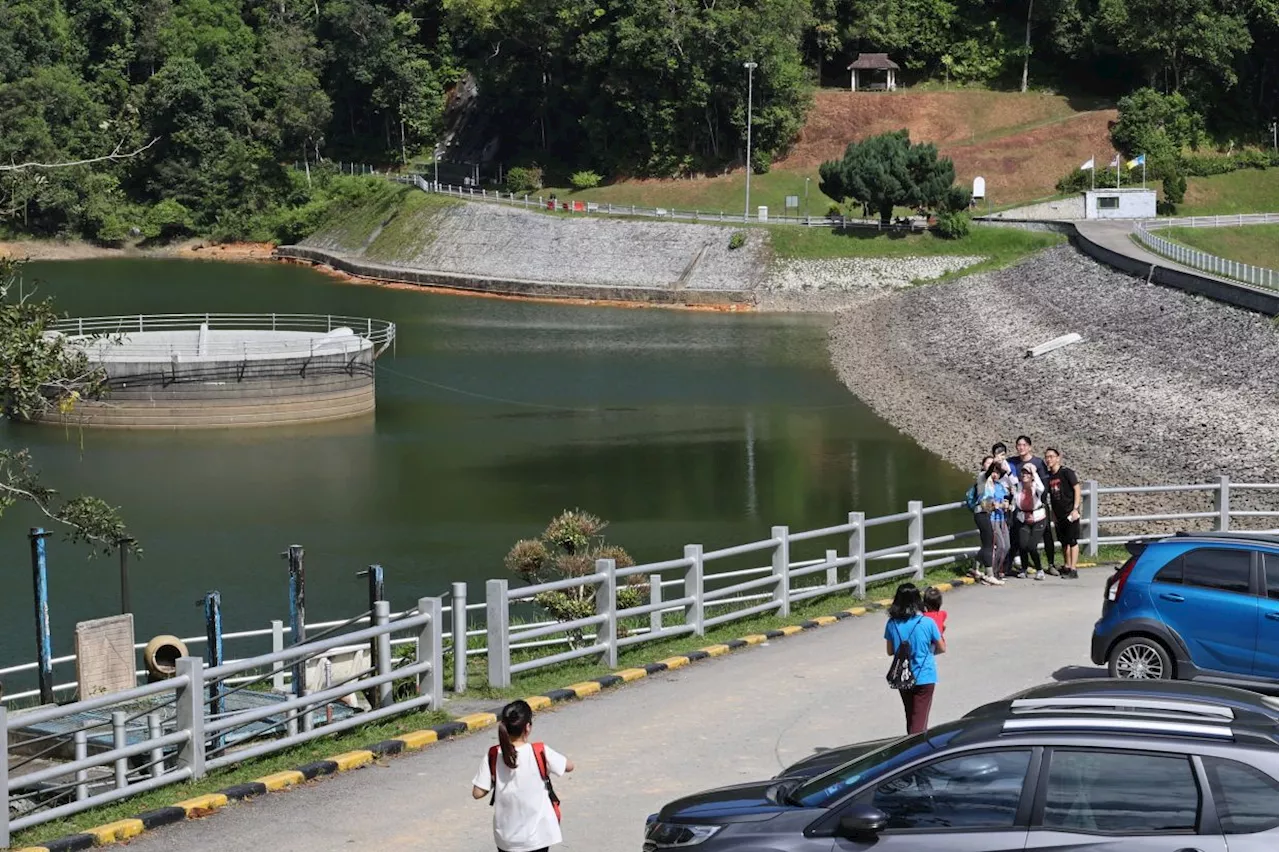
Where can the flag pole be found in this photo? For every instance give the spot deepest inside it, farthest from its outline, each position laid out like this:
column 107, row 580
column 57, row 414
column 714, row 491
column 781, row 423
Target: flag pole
column 1117, row 171
column 1093, row 174
column 1144, row 171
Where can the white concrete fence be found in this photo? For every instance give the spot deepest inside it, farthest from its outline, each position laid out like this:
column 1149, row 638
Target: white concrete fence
column 686, row 597
column 1256, row 275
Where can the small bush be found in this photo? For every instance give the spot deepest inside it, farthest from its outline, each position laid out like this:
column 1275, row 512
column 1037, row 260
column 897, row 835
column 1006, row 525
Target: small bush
column 761, row 161
column 738, row 240
column 952, row 225
column 1175, row 189
column 523, row 179
column 585, row 180
column 834, row 212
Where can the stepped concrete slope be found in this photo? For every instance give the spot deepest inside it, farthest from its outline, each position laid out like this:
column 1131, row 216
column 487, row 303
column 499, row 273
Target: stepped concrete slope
column 479, row 244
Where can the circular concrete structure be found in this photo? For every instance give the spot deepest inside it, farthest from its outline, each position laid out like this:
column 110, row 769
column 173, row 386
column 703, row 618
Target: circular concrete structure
column 175, row 371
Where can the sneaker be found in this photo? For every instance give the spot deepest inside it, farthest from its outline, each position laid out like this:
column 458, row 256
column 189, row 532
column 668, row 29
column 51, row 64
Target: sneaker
column 1039, row 575
column 996, row 581
column 985, row 580
column 1073, row 574
column 1017, row 561
column 1052, row 571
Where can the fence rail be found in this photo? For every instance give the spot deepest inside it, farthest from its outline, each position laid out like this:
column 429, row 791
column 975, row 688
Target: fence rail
column 1255, row 275
column 153, row 745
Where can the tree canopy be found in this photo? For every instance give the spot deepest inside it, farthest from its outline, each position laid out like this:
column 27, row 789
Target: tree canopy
column 887, row 171
column 234, row 92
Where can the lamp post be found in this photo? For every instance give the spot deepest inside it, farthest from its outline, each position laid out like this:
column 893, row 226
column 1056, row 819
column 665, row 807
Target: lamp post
column 806, row 201
column 746, row 210
column 435, row 161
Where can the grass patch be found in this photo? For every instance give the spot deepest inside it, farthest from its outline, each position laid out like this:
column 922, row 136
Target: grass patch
column 318, row 749
column 1243, row 191
column 409, row 226
column 349, row 226
column 1000, row 246
column 1257, row 245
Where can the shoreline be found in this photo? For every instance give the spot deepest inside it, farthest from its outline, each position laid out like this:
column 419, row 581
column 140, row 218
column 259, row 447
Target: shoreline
column 193, row 249
column 1165, row 387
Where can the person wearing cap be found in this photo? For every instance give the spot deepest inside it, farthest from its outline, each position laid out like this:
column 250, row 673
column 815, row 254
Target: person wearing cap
column 1033, row 517
column 1026, row 456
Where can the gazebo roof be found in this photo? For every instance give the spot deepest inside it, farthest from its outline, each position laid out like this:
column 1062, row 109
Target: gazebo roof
column 873, row 62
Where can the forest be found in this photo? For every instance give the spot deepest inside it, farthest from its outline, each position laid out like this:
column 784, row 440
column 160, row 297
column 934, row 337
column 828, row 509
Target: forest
column 217, row 117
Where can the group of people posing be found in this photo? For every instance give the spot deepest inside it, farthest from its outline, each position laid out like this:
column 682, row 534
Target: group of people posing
column 1019, row 502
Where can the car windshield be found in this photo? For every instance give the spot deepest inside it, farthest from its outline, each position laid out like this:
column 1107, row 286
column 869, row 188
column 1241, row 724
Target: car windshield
column 821, row 791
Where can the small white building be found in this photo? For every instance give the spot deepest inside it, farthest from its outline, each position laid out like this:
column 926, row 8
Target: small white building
column 878, row 62
column 1127, row 203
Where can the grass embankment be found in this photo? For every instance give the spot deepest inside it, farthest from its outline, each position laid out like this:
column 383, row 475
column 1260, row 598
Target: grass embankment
column 1000, row 246
column 1257, row 245
column 1243, row 191
column 391, row 223
column 537, row 682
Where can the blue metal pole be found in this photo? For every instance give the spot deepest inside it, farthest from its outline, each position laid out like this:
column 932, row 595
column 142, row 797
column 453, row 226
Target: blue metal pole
column 213, row 633
column 44, row 644
column 297, row 613
column 377, row 591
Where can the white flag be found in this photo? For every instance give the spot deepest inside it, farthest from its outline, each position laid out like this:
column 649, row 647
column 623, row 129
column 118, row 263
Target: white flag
column 1088, row 165
column 1115, row 164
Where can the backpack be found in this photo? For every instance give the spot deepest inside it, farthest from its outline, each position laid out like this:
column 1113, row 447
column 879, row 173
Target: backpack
column 540, row 757
column 900, row 675
column 971, row 499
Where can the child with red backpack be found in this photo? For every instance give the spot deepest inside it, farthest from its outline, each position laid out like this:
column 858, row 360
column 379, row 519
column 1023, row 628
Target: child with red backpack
column 516, row 775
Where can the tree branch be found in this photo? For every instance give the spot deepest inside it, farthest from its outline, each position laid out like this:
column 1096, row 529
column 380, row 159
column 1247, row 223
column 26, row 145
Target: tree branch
column 112, row 157
column 39, row 502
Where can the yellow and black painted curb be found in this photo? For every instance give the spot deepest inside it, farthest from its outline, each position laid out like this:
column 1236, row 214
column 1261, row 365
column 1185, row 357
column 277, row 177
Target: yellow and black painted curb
column 204, row 805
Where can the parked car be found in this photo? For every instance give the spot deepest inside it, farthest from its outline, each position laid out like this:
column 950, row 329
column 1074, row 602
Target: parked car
column 1247, row 704
column 1041, row 774
column 1194, row 606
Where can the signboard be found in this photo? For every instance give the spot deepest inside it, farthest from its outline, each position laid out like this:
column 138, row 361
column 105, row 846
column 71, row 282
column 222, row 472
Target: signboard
column 979, row 187
column 793, row 201
column 104, row 655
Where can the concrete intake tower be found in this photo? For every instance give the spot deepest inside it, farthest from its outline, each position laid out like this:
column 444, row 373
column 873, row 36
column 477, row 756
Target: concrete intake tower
column 178, row 371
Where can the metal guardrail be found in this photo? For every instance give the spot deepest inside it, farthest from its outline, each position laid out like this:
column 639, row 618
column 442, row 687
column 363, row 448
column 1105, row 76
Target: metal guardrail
column 1255, row 275
column 379, row 333
column 686, row 596
column 179, row 729
column 539, row 202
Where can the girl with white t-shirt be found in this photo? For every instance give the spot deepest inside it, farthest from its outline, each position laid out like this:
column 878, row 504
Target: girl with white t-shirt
column 524, row 819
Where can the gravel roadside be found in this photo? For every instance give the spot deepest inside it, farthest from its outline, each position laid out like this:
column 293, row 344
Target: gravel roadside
column 1166, row 387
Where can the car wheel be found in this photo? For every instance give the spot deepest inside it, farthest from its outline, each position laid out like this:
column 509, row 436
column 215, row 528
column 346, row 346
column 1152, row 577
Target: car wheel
column 1140, row 658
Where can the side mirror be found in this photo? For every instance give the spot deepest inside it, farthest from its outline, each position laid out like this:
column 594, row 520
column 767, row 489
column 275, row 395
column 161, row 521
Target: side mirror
column 863, row 820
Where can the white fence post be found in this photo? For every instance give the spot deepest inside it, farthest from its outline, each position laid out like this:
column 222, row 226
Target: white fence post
column 832, row 579
column 189, row 715
column 693, row 611
column 782, row 569
column 1089, row 497
column 381, row 618
column 458, row 626
column 655, row 598
column 607, row 605
column 1222, row 504
column 857, row 551
column 497, row 618
column 4, row 776
column 277, row 645
column 431, row 648
column 915, row 536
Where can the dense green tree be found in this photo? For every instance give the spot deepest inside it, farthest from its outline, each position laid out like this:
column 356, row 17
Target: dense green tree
column 1157, row 125
column 886, row 171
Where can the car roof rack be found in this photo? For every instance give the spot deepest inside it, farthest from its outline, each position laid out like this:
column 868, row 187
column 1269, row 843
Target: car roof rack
column 1125, row 705
column 1112, row 724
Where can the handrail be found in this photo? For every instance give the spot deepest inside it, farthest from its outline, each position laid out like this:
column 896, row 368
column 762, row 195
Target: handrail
column 1187, row 256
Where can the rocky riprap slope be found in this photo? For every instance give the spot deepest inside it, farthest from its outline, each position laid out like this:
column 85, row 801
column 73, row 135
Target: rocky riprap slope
column 833, row 283
column 1165, row 388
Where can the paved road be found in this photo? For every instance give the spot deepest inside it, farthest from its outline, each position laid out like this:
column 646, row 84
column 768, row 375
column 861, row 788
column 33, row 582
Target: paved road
column 720, row 721
column 1117, row 235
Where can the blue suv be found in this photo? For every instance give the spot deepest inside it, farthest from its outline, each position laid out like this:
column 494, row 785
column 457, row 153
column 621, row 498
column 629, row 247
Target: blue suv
column 1194, row 606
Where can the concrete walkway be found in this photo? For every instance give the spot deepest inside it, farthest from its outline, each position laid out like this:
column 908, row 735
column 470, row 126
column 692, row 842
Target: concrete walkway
column 1116, row 236
column 721, row 721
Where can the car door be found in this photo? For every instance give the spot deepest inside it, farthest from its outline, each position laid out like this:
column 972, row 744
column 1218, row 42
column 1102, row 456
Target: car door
column 1206, row 597
column 1097, row 800
column 961, row 803
column 1244, row 799
column 1266, row 660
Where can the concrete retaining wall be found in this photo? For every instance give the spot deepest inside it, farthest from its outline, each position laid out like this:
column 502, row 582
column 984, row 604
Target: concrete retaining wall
column 1240, row 295
column 227, row 393
column 670, row 294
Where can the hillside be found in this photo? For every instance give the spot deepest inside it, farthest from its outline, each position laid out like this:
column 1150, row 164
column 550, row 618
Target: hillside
column 1021, row 143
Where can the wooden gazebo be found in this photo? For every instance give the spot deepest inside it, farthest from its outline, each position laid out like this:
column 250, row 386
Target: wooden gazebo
column 874, row 62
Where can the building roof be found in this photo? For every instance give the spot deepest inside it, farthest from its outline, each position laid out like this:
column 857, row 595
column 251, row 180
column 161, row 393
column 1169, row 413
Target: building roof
column 873, row 62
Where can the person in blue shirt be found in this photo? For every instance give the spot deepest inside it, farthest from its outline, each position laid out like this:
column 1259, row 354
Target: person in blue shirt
column 906, row 624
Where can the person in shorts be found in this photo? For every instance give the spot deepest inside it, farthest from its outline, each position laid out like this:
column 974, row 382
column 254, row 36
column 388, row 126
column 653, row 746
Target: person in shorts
column 1064, row 502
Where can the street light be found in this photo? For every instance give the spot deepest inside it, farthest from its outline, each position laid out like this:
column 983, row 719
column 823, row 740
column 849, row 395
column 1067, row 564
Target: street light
column 436, row 163
column 806, row 201
column 746, row 210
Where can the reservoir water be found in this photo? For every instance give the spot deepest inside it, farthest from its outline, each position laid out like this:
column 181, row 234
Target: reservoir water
column 492, row 417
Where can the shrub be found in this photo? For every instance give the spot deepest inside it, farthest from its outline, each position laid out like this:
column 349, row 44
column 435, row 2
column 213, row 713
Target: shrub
column 761, row 161
column 1175, row 188
column 584, row 180
column 522, row 179
column 834, row 212
column 738, row 240
column 952, row 225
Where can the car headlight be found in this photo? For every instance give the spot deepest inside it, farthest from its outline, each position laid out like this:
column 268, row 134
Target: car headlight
column 664, row 835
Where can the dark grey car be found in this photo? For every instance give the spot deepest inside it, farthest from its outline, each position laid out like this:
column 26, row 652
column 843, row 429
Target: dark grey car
column 1151, row 776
